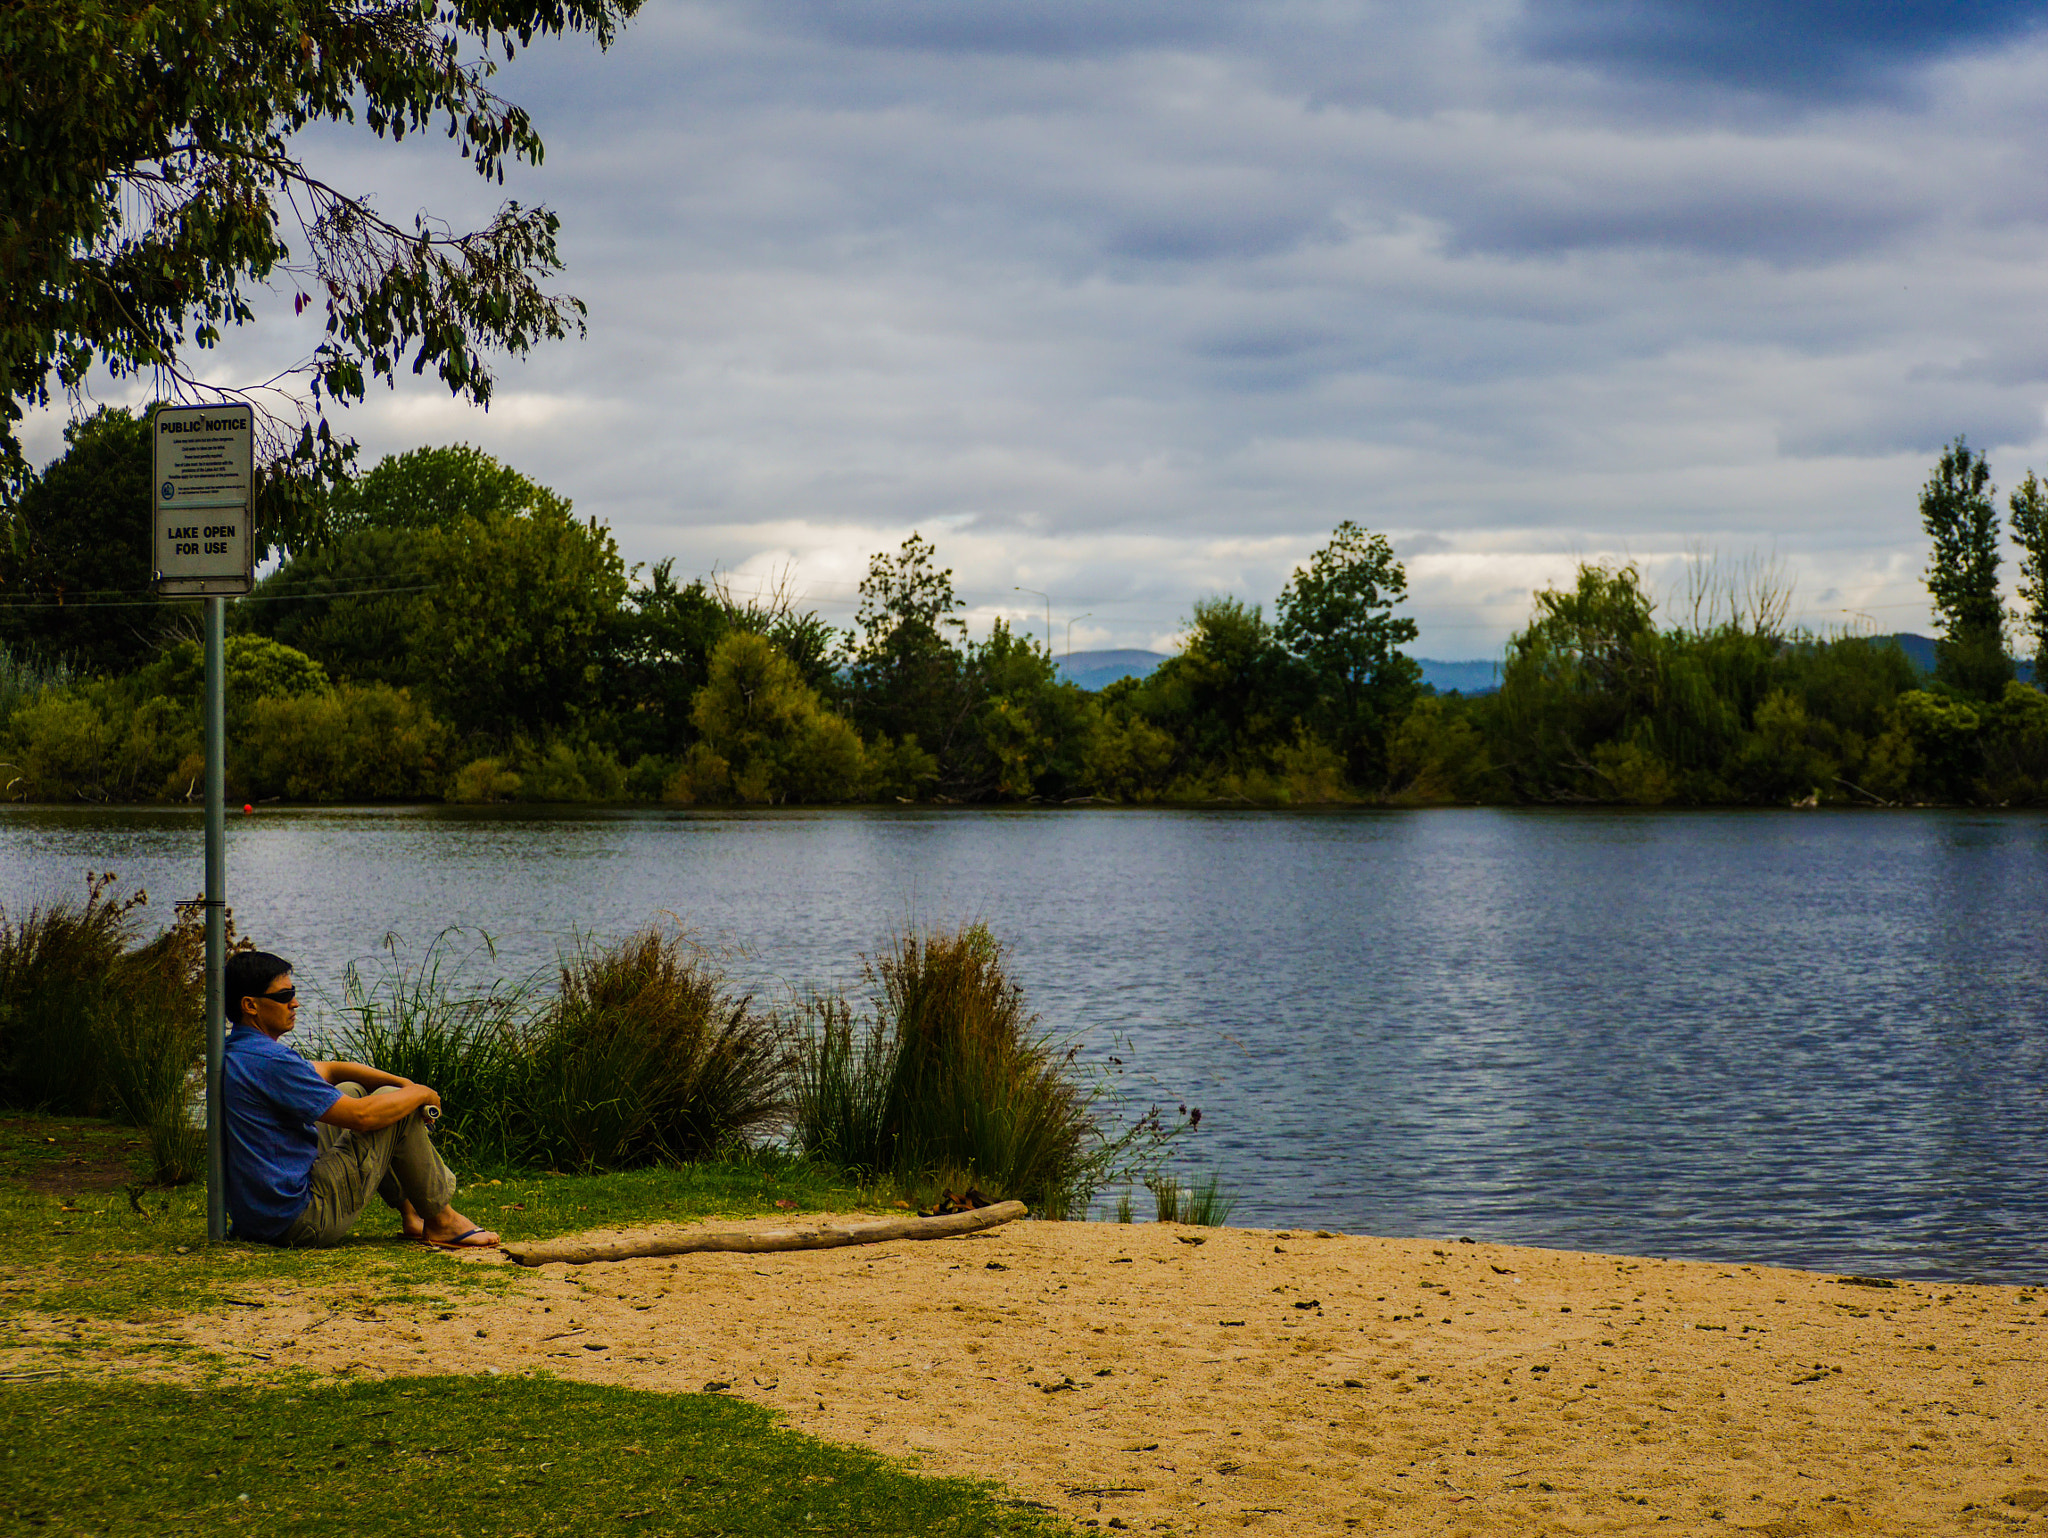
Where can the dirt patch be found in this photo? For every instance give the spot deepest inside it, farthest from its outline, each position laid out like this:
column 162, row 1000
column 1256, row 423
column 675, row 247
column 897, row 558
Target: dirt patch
column 55, row 1158
column 1156, row 1378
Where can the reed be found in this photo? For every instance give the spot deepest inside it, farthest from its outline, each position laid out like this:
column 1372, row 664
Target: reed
column 1206, row 1205
column 645, row 1054
column 949, row 1080
column 24, row 675
column 433, row 1022
column 95, row 1022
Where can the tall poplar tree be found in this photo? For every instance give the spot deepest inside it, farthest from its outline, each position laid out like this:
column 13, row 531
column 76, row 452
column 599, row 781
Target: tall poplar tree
column 2030, row 532
column 1957, row 510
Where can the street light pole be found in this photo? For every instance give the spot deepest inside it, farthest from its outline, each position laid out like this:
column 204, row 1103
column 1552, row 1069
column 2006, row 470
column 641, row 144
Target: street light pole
column 1034, row 592
column 1070, row 637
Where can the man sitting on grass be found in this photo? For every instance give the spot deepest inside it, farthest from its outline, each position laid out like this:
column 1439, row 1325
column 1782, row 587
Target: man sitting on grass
column 308, row 1142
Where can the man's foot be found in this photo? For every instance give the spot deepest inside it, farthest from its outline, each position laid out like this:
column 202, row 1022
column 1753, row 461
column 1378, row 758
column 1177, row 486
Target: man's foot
column 414, row 1225
column 451, row 1230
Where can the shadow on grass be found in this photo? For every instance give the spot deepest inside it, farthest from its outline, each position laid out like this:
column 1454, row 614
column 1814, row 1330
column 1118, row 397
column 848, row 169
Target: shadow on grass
column 454, row 1455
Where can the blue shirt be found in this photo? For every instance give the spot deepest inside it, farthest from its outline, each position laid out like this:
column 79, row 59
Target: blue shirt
column 272, row 1098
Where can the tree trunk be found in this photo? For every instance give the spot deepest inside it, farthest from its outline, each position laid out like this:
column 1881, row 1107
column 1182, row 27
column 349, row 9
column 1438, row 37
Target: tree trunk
column 827, row 1236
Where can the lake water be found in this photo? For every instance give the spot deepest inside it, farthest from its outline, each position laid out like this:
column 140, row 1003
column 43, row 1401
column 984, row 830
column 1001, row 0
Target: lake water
column 1806, row 1039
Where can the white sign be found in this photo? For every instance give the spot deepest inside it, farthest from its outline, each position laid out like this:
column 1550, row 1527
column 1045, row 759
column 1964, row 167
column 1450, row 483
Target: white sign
column 204, row 471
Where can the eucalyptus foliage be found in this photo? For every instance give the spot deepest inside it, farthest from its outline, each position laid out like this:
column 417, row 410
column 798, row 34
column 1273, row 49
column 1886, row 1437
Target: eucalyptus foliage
column 151, row 168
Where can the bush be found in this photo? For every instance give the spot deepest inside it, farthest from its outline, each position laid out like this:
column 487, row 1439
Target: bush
column 256, row 667
column 766, row 728
column 1943, row 731
column 900, row 771
column 355, row 743
column 646, row 1055
column 24, row 675
column 2016, row 747
column 91, row 1023
column 950, row 1081
column 1436, row 754
column 484, row 779
column 702, row 776
column 1130, row 759
column 60, row 747
column 565, row 772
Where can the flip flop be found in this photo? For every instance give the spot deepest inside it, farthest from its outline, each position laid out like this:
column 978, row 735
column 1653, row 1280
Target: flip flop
column 461, row 1241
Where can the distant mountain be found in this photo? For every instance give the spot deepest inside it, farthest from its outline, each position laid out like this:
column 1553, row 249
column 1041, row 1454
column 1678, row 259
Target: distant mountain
column 1098, row 670
column 1919, row 650
column 1464, row 677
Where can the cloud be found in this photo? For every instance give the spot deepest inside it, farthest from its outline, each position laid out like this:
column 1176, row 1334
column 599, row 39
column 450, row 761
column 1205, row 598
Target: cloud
column 1806, row 48
column 1043, row 28
column 1133, row 304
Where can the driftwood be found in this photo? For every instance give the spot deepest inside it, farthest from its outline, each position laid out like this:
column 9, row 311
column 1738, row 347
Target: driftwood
column 825, row 1236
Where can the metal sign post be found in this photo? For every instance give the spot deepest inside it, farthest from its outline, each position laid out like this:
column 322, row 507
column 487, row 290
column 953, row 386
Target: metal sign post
column 204, row 472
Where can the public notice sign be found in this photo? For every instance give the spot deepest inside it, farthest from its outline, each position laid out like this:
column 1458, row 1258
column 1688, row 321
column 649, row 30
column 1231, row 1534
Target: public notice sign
column 204, row 472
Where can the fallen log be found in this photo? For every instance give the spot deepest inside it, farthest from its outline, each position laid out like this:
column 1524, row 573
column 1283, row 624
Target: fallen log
column 577, row 1251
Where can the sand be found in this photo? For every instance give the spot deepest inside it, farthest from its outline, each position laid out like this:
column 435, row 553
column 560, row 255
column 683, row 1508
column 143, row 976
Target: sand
column 1154, row 1378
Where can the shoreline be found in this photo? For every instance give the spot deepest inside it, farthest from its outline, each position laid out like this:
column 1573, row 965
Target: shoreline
column 1152, row 1377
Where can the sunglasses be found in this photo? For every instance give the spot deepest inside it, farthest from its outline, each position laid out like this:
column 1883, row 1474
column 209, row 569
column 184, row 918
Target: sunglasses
column 282, row 996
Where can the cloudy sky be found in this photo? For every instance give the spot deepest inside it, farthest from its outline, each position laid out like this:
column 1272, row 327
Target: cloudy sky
column 1131, row 302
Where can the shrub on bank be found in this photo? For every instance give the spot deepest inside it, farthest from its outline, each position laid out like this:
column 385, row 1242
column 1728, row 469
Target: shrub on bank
column 95, row 1022
column 766, row 735
column 648, row 1055
column 949, row 1081
column 25, row 674
column 645, row 1055
column 352, row 743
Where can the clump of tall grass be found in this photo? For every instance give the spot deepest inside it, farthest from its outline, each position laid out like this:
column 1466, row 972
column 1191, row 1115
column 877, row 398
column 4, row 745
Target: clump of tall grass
column 1206, row 1205
column 648, row 1054
column 645, row 1054
column 431, row 1022
column 951, row 1080
column 95, row 1021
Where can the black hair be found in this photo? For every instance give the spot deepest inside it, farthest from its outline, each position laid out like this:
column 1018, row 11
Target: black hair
column 249, row 972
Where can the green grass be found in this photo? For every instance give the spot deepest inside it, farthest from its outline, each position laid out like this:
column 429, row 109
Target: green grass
column 529, row 1206
column 91, row 1452
column 452, row 1455
column 90, row 1256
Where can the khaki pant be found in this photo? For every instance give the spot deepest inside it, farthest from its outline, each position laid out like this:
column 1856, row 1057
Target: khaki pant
column 398, row 1163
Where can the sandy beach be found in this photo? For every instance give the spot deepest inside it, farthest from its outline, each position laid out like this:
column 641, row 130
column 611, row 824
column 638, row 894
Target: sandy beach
column 1155, row 1378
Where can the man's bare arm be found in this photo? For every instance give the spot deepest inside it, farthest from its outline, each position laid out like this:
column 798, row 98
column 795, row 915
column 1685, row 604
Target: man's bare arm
column 360, row 1073
column 373, row 1113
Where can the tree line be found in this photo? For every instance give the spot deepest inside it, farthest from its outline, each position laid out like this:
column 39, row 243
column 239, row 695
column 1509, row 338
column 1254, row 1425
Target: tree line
column 446, row 628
